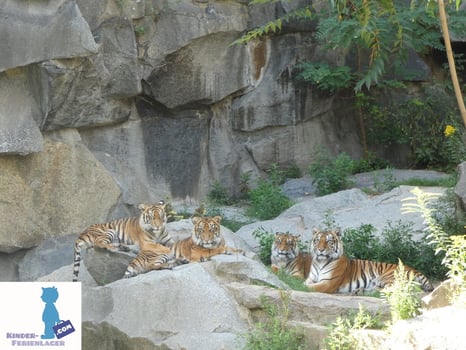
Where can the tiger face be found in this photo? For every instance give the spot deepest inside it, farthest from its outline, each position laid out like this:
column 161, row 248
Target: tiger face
column 206, row 232
column 327, row 245
column 153, row 217
column 285, row 247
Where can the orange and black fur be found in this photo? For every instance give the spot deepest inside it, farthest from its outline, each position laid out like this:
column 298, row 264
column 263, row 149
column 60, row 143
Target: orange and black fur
column 153, row 256
column 136, row 234
column 331, row 271
column 205, row 241
column 286, row 256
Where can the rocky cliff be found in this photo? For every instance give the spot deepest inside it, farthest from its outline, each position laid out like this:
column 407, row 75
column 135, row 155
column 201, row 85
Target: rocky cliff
column 111, row 103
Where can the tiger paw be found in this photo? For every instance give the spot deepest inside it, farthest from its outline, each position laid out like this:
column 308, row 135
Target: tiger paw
column 129, row 274
column 123, row 248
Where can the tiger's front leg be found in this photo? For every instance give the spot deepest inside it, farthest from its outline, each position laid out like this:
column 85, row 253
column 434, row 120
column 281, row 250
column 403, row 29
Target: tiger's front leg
column 321, row 287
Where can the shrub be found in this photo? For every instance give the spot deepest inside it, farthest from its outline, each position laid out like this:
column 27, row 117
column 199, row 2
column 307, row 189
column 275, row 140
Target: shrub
column 422, row 124
column 219, row 195
column 331, row 174
column 274, row 333
column 361, row 243
column 395, row 242
column 403, row 295
column 266, row 240
column 277, row 175
column 267, row 201
column 340, row 336
column 454, row 247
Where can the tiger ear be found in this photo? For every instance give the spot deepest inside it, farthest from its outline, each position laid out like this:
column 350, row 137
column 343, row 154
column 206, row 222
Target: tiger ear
column 162, row 203
column 195, row 219
column 315, row 230
column 337, row 232
column 217, row 219
column 142, row 206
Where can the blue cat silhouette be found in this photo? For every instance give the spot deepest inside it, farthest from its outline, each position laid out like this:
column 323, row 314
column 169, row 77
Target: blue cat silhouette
column 50, row 314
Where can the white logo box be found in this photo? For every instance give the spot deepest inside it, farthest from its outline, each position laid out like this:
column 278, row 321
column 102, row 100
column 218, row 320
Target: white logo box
column 30, row 309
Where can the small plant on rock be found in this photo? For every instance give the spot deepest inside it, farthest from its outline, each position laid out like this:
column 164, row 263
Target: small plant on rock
column 266, row 240
column 403, row 295
column 341, row 335
column 267, row 201
column 275, row 333
column 218, row 194
column 331, row 174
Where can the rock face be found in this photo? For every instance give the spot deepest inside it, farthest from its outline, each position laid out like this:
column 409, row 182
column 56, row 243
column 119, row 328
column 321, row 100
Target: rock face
column 121, row 109
column 60, row 191
column 167, row 112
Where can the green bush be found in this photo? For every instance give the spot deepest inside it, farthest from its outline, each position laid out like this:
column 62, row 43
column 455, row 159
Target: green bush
column 403, row 295
column 429, row 125
column 274, row 333
column 219, row 195
column 324, row 77
column 340, row 336
column 395, row 242
column 331, row 174
column 266, row 240
column 277, row 175
column 267, row 201
column 452, row 246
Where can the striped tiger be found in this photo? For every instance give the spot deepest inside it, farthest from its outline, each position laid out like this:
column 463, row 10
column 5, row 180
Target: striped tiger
column 286, row 256
column 331, row 271
column 154, row 256
column 128, row 234
column 205, row 241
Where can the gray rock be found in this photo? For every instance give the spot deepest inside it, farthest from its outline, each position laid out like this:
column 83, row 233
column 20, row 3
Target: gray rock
column 460, row 188
column 61, row 191
column 347, row 209
column 36, row 32
column 105, row 266
column 20, row 114
column 180, row 293
column 48, row 256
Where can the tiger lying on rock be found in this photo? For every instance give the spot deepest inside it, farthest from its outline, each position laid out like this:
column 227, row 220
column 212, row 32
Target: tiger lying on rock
column 331, row 271
column 145, row 232
column 205, row 241
column 286, row 256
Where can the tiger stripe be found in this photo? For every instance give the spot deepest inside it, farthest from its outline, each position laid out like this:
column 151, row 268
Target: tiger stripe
column 286, row 256
column 331, row 271
column 205, row 241
column 128, row 234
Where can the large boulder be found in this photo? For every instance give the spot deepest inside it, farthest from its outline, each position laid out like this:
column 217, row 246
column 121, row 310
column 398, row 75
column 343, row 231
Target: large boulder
column 38, row 31
column 106, row 267
column 218, row 300
column 347, row 209
column 60, row 191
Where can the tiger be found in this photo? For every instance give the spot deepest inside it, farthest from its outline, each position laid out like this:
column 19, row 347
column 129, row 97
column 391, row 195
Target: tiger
column 128, row 234
column 154, row 256
column 205, row 241
column 286, row 256
column 331, row 271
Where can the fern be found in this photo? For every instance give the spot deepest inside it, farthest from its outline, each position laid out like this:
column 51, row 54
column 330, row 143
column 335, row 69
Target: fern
column 275, row 25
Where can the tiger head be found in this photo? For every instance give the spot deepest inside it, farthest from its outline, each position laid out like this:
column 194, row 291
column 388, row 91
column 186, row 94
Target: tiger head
column 153, row 218
column 326, row 245
column 206, row 231
column 285, row 246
